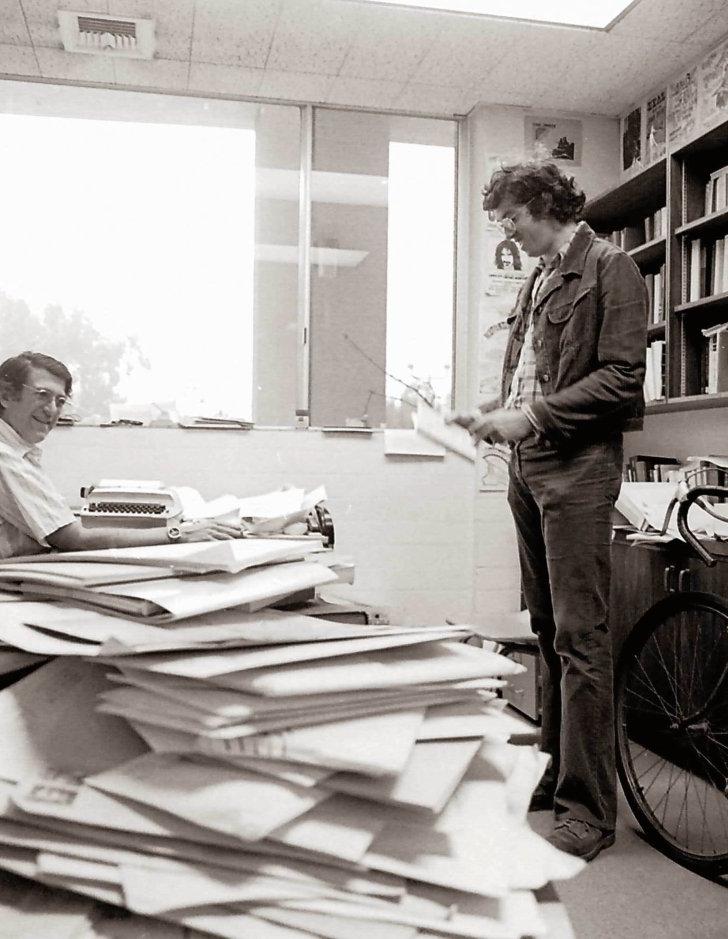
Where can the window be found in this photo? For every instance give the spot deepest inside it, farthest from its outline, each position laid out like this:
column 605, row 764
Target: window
column 382, row 227
column 158, row 253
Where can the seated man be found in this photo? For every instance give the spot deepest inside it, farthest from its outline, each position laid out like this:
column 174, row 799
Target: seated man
column 34, row 517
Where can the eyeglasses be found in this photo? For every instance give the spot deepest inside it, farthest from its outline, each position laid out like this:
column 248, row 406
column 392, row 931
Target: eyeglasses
column 508, row 223
column 46, row 397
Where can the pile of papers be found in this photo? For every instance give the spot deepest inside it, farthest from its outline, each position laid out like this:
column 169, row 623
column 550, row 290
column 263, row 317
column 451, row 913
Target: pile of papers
column 645, row 505
column 230, row 768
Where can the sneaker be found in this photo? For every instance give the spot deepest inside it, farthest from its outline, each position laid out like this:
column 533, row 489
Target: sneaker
column 579, row 838
column 542, row 799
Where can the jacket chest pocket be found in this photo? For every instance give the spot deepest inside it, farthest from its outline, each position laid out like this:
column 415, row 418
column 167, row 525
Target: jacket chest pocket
column 570, row 321
column 560, row 326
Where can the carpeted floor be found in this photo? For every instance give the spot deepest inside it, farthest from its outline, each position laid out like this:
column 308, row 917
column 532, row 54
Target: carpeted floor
column 631, row 891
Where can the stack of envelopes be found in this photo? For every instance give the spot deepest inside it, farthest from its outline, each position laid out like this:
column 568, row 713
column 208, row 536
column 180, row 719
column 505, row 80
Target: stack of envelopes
column 248, row 772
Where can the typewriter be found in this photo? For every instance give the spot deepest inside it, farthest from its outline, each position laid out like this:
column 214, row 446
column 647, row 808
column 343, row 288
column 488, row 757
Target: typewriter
column 129, row 503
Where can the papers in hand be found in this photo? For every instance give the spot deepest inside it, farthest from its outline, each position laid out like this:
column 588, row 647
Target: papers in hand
column 431, row 424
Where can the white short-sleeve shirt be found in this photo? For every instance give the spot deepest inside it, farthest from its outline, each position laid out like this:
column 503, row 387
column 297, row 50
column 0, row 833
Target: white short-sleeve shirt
column 31, row 508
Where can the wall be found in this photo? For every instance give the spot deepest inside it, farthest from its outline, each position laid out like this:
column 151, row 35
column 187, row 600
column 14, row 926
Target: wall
column 407, row 523
column 497, row 133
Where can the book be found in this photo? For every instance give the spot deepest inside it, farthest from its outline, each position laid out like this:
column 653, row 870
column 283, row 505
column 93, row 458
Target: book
column 694, row 279
column 717, row 358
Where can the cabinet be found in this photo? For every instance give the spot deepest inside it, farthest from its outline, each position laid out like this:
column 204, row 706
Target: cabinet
column 689, row 251
column 642, row 574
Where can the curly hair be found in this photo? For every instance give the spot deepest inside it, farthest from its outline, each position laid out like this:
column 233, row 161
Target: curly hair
column 542, row 186
column 14, row 372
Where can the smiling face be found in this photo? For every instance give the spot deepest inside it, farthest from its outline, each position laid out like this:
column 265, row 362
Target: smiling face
column 30, row 416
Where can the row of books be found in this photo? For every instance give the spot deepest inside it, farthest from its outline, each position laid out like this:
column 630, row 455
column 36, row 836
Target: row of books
column 651, row 469
column 656, row 294
column 707, row 267
column 654, row 387
column 716, row 191
column 652, row 226
column 715, row 358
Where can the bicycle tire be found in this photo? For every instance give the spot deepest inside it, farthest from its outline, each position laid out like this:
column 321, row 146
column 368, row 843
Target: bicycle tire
column 672, row 728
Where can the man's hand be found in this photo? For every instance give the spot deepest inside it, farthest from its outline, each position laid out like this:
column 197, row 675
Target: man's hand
column 504, row 425
column 467, row 418
column 210, row 530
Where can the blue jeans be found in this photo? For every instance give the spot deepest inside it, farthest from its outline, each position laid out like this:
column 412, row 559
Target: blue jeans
column 561, row 504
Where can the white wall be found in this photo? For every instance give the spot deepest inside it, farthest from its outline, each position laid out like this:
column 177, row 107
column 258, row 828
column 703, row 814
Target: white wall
column 407, row 523
column 497, row 132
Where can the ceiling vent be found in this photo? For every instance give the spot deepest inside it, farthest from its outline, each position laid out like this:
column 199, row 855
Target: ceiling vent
column 100, row 34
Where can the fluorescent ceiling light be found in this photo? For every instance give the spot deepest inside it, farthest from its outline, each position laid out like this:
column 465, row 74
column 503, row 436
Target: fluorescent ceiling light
column 598, row 15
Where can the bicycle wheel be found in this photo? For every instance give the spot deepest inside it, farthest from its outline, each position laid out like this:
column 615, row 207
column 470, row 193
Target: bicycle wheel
column 672, row 728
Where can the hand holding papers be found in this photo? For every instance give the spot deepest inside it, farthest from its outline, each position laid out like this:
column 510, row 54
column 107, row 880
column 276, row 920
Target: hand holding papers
column 431, row 423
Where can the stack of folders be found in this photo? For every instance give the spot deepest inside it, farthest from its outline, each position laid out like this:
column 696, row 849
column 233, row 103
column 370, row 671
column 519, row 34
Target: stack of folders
column 194, row 756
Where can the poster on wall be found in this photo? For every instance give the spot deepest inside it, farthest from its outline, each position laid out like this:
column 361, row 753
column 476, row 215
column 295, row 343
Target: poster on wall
column 505, row 268
column 554, row 138
column 682, row 108
column 655, row 127
column 632, row 140
column 713, row 87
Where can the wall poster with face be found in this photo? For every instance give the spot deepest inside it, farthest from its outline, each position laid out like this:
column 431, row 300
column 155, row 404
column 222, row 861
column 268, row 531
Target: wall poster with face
column 505, row 269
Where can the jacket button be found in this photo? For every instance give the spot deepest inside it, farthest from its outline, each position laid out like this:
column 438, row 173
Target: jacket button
column 539, row 343
column 545, row 376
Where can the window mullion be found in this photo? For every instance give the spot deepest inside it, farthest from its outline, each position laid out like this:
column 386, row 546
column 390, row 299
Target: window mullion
column 304, row 265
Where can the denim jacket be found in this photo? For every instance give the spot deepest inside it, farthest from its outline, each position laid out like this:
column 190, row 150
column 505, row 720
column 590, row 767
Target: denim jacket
column 590, row 337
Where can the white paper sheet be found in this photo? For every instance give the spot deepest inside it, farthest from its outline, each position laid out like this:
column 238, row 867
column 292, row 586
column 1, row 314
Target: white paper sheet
column 431, row 424
column 179, row 598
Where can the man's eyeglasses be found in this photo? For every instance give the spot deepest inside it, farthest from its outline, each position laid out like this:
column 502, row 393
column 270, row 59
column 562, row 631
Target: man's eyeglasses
column 508, row 224
column 46, row 397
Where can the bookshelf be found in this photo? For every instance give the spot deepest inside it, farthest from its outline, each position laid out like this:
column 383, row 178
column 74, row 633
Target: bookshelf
column 690, row 252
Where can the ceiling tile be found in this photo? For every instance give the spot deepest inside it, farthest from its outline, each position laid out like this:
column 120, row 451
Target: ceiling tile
column 311, row 36
column 672, row 20
column 13, row 31
column 436, row 99
column 363, row 92
column 172, row 22
column 234, row 32
column 388, row 42
column 169, row 74
column 467, row 50
column 56, row 63
column 224, row 79
column 18, row 60
column 44, row 13
column 294, row 86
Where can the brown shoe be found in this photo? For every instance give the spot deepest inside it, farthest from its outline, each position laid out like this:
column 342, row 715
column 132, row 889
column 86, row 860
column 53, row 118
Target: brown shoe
column 579, row 838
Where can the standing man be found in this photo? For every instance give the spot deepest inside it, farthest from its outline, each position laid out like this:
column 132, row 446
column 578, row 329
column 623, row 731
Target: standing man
column 34, row 517
column 572, row 383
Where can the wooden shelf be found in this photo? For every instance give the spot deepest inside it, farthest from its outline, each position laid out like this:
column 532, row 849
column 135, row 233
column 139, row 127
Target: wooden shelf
column 706, row 225
column 688, row 403
column 714, row 304
column 712, row 143
column 629, row 202
column 651, row 252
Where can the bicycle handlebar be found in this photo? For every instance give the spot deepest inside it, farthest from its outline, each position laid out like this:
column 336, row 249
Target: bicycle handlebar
column 686, row 500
